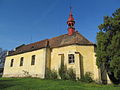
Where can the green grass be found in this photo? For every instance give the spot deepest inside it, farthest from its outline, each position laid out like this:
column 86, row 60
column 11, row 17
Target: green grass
column 38, row 84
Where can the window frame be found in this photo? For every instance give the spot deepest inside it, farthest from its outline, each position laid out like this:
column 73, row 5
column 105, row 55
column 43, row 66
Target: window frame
column 71, row 58
column 21, row 61
column 11, row 63
column 33, row 59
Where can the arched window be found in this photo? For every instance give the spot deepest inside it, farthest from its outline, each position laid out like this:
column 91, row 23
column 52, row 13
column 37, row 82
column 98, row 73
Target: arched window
column 33, row 60
column 11, row 64
column 21, row 61
column 71, row 58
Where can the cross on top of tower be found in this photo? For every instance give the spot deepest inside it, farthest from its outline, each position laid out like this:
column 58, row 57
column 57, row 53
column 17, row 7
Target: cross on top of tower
column 71, row 23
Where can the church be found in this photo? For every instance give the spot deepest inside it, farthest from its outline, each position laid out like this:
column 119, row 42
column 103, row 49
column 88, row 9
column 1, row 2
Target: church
column 71, row 49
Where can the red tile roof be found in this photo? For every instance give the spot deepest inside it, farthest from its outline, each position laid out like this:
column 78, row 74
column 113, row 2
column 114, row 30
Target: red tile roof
column 55, row 42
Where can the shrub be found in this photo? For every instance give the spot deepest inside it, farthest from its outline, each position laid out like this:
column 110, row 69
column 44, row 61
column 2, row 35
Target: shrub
column 71, row 74
column 87, row 78
column 51, row 74
column 66, row 74
column 62, row 72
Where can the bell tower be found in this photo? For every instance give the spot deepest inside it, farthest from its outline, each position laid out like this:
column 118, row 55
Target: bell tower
column 71, row 23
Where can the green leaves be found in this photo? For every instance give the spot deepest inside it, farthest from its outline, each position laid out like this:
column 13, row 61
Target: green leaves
column 108, row 43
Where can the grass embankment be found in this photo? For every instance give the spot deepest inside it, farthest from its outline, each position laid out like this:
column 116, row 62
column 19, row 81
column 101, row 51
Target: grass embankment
column 38, row 84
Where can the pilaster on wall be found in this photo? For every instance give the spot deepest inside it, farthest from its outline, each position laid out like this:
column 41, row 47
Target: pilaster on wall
column 47, row 59
column 97, row 75
column 44, row 63
column 77, row 65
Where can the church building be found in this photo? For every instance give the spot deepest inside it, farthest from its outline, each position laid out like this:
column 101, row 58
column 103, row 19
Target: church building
column 71, row 49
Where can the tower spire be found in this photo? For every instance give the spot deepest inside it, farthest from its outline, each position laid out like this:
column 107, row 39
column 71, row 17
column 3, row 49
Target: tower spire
column 71, row 23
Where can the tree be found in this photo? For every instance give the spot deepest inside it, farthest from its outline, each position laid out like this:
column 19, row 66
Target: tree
column 2, row 55
column 108, row 45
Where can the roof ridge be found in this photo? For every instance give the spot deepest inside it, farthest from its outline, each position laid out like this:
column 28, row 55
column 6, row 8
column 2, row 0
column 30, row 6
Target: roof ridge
column 59, row 41
column 57, row 36
column 36, row 42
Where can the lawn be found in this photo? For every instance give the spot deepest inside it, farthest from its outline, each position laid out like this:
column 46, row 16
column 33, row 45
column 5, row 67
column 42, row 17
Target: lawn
column 38, row 84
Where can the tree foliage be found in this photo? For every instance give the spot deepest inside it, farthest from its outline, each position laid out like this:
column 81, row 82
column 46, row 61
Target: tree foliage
column 108, row 44
column 2, row 55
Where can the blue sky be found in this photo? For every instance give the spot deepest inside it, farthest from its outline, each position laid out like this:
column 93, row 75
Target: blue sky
column 28, row 21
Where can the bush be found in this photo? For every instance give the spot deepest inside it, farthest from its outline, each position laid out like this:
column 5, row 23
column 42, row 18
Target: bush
column 51, row 74
column 62, row 72
column 66, row 74
column 71, row 74
column 87, row 78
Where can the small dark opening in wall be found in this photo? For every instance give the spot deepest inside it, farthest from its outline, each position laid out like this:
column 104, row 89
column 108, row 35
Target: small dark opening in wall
column 32, row 47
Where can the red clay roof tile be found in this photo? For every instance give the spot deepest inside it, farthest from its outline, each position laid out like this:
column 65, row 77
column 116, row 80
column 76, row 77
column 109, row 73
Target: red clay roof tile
column 55, row 42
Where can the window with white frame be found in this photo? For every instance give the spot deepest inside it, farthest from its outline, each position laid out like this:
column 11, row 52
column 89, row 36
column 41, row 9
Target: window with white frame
column 71, row 58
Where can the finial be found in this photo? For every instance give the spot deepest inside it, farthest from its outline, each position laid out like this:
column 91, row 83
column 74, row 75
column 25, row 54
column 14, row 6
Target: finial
column 70, row 10
column 71, row 23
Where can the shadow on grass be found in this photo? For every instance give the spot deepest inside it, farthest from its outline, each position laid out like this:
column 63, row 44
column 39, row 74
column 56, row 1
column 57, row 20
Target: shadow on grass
column 7, row 83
